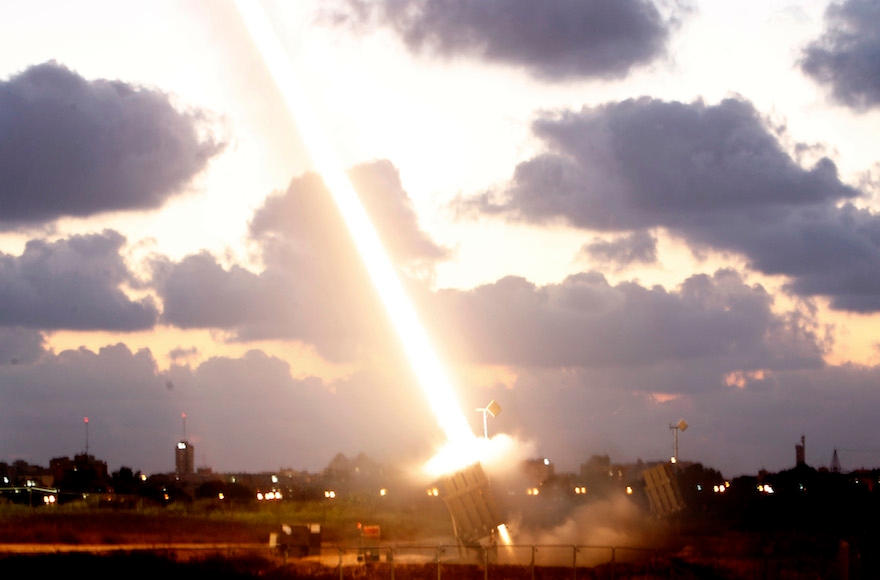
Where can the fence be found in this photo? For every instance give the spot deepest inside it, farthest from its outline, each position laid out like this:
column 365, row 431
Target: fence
column 516, row 562
column 530, row 561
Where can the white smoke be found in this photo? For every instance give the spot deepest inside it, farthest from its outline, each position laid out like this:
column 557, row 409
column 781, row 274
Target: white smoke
column 594, row 529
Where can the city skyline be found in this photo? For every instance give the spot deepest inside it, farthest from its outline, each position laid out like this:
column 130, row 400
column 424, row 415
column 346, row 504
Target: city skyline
column 610, row 216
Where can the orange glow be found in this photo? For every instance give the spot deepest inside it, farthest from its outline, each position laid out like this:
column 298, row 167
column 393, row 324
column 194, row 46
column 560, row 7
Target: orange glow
column 664, row 397
column 303, row 359
column 740, row 379
column 504, row 534
column 421, row 355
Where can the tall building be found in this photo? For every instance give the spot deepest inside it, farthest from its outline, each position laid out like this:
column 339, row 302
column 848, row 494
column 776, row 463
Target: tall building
column 184, row 458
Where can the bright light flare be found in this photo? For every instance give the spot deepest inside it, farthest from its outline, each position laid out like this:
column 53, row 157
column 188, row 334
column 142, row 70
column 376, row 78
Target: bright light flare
column 494, row 454
column 504, row 534
column 414, row 339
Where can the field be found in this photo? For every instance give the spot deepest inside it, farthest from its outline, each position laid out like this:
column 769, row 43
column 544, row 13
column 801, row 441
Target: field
column 211, row 539
column 97, row 521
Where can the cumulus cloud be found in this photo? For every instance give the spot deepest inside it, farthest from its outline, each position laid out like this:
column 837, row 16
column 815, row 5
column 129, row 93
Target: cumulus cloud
column 74, row 283
column 20, row 345
column 715, row 175
column 571, row 414
column 314, row 286
column 845, row 58
column 639, row 247
column 555, row 40
column 235, row 406
column 74, row 147
column 714, row 323
column 198, row 292
column 243, row 414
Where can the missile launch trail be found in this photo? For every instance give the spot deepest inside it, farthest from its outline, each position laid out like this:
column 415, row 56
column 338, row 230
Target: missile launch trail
column 414, row 338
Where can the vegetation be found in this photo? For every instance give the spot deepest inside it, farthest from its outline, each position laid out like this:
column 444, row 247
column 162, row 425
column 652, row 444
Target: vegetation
column 105, row 520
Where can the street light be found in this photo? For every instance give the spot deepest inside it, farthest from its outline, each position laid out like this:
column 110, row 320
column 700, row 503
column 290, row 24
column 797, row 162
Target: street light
column 329, row 494
column 680, row 426
column 493, row 409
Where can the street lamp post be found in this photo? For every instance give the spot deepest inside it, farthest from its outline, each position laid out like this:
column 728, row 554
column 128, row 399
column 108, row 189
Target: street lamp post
column 493, row 409
column 680, row 426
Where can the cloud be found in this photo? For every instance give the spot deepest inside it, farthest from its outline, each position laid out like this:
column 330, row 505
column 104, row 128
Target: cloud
column 639, row 247
column 73, row 147
column 845, row 57
column 243, row 414
column 716, row 176
column 712, row 324
column 127, row 405
column 571, row 414
column 314, row 286
column 248, row 414
column 20, row 345
column 552, row 40
column 197, row 292
column 73, row 283
column 306, row 214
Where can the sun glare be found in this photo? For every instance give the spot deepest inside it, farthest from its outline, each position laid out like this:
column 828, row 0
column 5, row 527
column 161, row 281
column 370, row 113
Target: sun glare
column 421, row 355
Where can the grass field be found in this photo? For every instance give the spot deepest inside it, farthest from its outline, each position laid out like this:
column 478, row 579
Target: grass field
column 212, row 521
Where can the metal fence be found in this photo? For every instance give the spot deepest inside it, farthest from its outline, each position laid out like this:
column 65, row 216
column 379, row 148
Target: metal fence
column 564, row 562
column 516, row 562
column 508, row 561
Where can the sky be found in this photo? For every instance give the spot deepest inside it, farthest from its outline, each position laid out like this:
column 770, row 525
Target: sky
column 609, row 215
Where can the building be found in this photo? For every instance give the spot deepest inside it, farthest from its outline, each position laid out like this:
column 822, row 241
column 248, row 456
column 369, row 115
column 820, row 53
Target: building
column 184, row 458
column 83, row 473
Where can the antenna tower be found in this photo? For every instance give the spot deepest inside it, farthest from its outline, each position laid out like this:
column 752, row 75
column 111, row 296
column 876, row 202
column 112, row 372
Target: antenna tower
column 835, row 462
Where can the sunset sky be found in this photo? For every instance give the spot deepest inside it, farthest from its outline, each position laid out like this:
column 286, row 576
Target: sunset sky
column 609, row 214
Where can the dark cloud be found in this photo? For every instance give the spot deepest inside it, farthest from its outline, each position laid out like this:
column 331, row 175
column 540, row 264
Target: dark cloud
column 714, row 325
column 73, row 147
column 44, row 405
column 243, row 414
column 248, row 414
column 571, row 414
column 639, row 247
column 197, row 292
column 846, row 58
column 20, row 345
column 305, row 422
column 555, row 39
column 314, row 286
column 716, row 176
column 74, row 283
